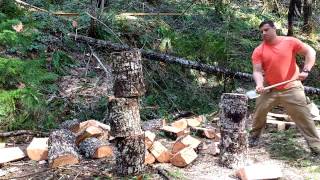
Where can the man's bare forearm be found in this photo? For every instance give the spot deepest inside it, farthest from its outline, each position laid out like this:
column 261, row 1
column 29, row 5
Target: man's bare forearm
column 310, row 58
column 258, row 78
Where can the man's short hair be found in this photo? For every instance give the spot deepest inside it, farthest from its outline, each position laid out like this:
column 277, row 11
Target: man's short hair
column 271, row 23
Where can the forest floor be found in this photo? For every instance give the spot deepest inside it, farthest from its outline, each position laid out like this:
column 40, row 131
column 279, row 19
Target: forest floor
column 286, row 150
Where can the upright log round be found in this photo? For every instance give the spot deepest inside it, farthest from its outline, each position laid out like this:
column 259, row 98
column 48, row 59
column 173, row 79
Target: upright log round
column 131, row 155
column 128, row 74
column 124, row 114
column 233, row 142
column 124, row 117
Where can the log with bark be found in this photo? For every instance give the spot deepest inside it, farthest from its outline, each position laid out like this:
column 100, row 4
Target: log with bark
column 94, row 148
column 128, row 75
column 62, row 148
column 130, row 155
column 72, row 125
column 233, row 142
column 124, row 117
column 109, row 46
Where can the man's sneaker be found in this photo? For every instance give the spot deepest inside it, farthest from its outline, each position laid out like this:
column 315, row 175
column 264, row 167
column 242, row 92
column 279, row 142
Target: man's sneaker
column 253, row 142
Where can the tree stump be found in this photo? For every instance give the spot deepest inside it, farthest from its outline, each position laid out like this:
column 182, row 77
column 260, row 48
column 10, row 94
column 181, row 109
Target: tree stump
column 128, row 75
column 94, row 148
column 124, row 117
column 131, row 155
column 62, row 148
column 233, row 142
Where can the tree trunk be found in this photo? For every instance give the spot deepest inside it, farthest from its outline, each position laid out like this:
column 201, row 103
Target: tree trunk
column 127, row 70
column 307, row 12
column 294, row 10
column 131, row 155
column 93, row 22
column 124, row 117
column 62, row 148
column 233, row 142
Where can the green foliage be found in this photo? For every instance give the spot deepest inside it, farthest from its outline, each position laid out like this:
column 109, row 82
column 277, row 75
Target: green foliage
column 16, row 40
column 61, row 62
column 10, row 9
column 24, row 107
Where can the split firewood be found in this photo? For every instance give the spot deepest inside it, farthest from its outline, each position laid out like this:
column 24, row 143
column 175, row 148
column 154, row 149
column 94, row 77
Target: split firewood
column 283, row 117
column 149, row 138
column 260, row 171
column 38, row 149
column 62, row 148
column 173, row 132
column 274, row 125
column 72, row 125
column 184, row 142
column 94, row 148
column 149, row 158
column 184, row 157
column 160, row 152
column 195, row 121
column 204, row 132
column 92, row 122
column 91, row 131
column 11, row 154
column 181, row 124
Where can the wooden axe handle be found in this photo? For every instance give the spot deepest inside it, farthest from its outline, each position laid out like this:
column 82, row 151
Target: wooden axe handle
column 279, row 84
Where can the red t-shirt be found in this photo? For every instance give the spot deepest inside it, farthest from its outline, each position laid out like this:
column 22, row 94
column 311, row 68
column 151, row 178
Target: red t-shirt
column 278, row 60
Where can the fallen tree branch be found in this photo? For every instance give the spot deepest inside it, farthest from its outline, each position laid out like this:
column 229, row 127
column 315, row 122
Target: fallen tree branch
column 100, row 62
column 150, row 14
column 176, row 60
column 44, row 10
column 22, row 132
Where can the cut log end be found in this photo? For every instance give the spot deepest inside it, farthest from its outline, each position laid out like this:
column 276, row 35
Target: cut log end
column 64, row 160
column 104, row 151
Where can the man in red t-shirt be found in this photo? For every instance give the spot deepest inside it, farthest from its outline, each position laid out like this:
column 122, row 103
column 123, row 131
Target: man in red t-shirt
column 274, row 61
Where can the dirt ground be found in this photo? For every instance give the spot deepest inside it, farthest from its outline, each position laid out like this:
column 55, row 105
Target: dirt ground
column 205, row 167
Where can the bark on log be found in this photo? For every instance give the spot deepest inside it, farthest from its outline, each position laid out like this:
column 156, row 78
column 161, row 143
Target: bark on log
column 62, row 148
column 124, row 117
column 233, row 143
column 307, row 12
column 128, row 75
column 130, row 155
column 177, row 60
column 72, row 125
column 94, row 148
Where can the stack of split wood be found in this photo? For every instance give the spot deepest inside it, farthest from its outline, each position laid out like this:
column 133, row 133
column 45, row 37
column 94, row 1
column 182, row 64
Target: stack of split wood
column 185, row 148
column 280, row 122
column 65, row 146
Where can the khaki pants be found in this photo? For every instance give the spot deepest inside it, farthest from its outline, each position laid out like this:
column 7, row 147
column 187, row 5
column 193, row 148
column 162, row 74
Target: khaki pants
column 295, row 102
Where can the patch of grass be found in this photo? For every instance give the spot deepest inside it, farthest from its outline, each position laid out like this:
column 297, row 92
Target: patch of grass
column 285, row 146
column 177, row 174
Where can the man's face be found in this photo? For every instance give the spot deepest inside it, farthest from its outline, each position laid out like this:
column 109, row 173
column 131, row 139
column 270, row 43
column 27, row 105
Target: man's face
column 268, row 32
